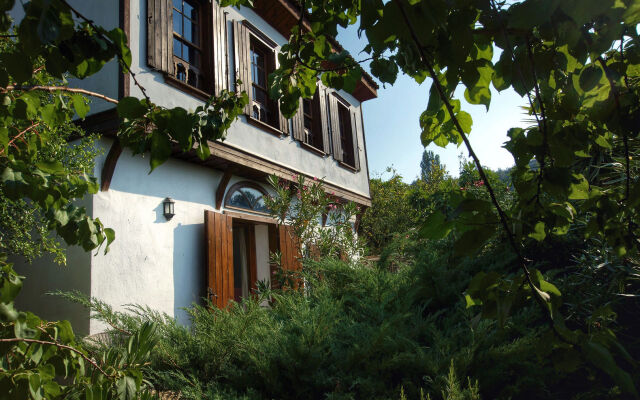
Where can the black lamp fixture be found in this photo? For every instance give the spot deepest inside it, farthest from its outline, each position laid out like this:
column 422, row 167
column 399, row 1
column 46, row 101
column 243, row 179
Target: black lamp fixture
column 167, row 205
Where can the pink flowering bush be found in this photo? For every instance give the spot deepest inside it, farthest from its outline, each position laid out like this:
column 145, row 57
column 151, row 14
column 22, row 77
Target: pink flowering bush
column 320, row 220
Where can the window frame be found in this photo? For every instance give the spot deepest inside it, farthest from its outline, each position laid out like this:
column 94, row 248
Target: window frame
column 345, row 126
column 202, row 71
column 237, row 187
column 257, row 44
column 315, row 115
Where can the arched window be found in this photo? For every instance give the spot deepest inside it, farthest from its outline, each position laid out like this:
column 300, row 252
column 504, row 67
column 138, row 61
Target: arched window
column 246, row 196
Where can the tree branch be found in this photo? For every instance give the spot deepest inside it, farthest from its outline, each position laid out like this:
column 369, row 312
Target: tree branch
column 483, row 176
column 59, row 88
column 60, row 346
column 19, row 136
column 122, row 63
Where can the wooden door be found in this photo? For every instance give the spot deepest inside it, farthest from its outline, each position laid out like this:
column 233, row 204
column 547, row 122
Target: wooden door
column 290, row 250
column 219, row 239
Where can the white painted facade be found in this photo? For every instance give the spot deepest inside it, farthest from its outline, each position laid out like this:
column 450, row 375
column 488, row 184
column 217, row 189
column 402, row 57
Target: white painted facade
column 155, row 262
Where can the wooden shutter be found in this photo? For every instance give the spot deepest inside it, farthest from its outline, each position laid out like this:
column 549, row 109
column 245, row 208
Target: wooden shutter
column 297, row 123
column 290, row 249
column 335, row 127
column 219, row 49
column 324, row 118
column 355, row 129
column 219, row 239
column 282, row 121
column 242, row 42
column 160, row 35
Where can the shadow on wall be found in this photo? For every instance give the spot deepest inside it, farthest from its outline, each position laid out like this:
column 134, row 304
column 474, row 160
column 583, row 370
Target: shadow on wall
column 189, row 274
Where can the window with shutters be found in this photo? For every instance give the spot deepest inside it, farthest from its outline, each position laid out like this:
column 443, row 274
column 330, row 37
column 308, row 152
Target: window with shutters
column 255, row 59
column 311, row 117
column 310, row 123
column 262, row 64
column 187, row 43
column 346, row 135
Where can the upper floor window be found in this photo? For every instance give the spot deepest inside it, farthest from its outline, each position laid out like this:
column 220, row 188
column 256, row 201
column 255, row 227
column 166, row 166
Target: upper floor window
column 254, row 60
column 310, row 124
column 247, row 196
column 187, row 42
column 311, row 116
column 262, row 64
column 346, row 135
column 344, row 131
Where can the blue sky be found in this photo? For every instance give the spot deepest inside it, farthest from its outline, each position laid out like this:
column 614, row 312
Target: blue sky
column 393, row 131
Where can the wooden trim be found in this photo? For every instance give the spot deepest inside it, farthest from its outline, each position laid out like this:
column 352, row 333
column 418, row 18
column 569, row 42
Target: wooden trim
column 250, row 217
column 265, row 126
column 109, row 166
column 242, row 184
column 260, row 35
column 312, row 149
column 124, row 23
column 366, row 156
column 185, row 87
column 347, row 166
column 222, row 187
column 268, row 167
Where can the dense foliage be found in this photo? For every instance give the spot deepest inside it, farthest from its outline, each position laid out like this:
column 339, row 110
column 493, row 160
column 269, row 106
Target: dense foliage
column 41, row 178
column 547, row 259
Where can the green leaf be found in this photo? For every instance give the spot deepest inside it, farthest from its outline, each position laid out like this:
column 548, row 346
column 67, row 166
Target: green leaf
column 600, row 357
column 465, row 121
column 131, row 108
column 579, row 188
column 160, row 149
column 385, row 70
column 436, row 226
column 80, row 104
column 539, row 232
column 473, row 240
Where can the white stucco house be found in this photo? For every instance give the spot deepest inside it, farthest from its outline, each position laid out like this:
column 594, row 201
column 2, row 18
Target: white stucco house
column 218, row 242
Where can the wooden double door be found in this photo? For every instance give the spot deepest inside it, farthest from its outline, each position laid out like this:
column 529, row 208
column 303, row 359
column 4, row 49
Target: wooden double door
column 233, row 269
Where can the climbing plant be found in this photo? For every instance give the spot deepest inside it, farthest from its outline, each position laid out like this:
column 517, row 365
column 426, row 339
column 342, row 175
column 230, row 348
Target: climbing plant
column 577, row 64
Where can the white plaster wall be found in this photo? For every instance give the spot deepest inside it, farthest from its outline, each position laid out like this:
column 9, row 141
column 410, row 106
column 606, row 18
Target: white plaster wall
column 44, row 275
column 284, row 151
column 104, row 13
column 153, row 261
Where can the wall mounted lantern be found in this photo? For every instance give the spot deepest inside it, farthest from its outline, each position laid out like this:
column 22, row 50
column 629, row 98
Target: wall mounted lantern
column 167, row 205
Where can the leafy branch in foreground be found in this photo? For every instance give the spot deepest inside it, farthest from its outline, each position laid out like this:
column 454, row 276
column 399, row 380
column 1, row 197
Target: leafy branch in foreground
column 577, row 63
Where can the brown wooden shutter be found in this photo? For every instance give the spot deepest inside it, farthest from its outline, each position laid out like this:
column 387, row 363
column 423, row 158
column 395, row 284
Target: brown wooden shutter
column 282, row 121
column 242, row 43
column 160, row 35
column 335, row 128
column 355, row 129
column 290, row 249
column 219, row 239
column 324, row 117
column 219, row 49
column 297, row 123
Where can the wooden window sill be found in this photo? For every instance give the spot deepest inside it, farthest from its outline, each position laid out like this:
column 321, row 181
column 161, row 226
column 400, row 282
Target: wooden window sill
column 313, row 149
column 265, row 126
column 347, row 166
column 195, row 92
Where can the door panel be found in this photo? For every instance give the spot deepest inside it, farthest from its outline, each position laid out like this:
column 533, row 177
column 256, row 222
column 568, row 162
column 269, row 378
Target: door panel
column 219, row 239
